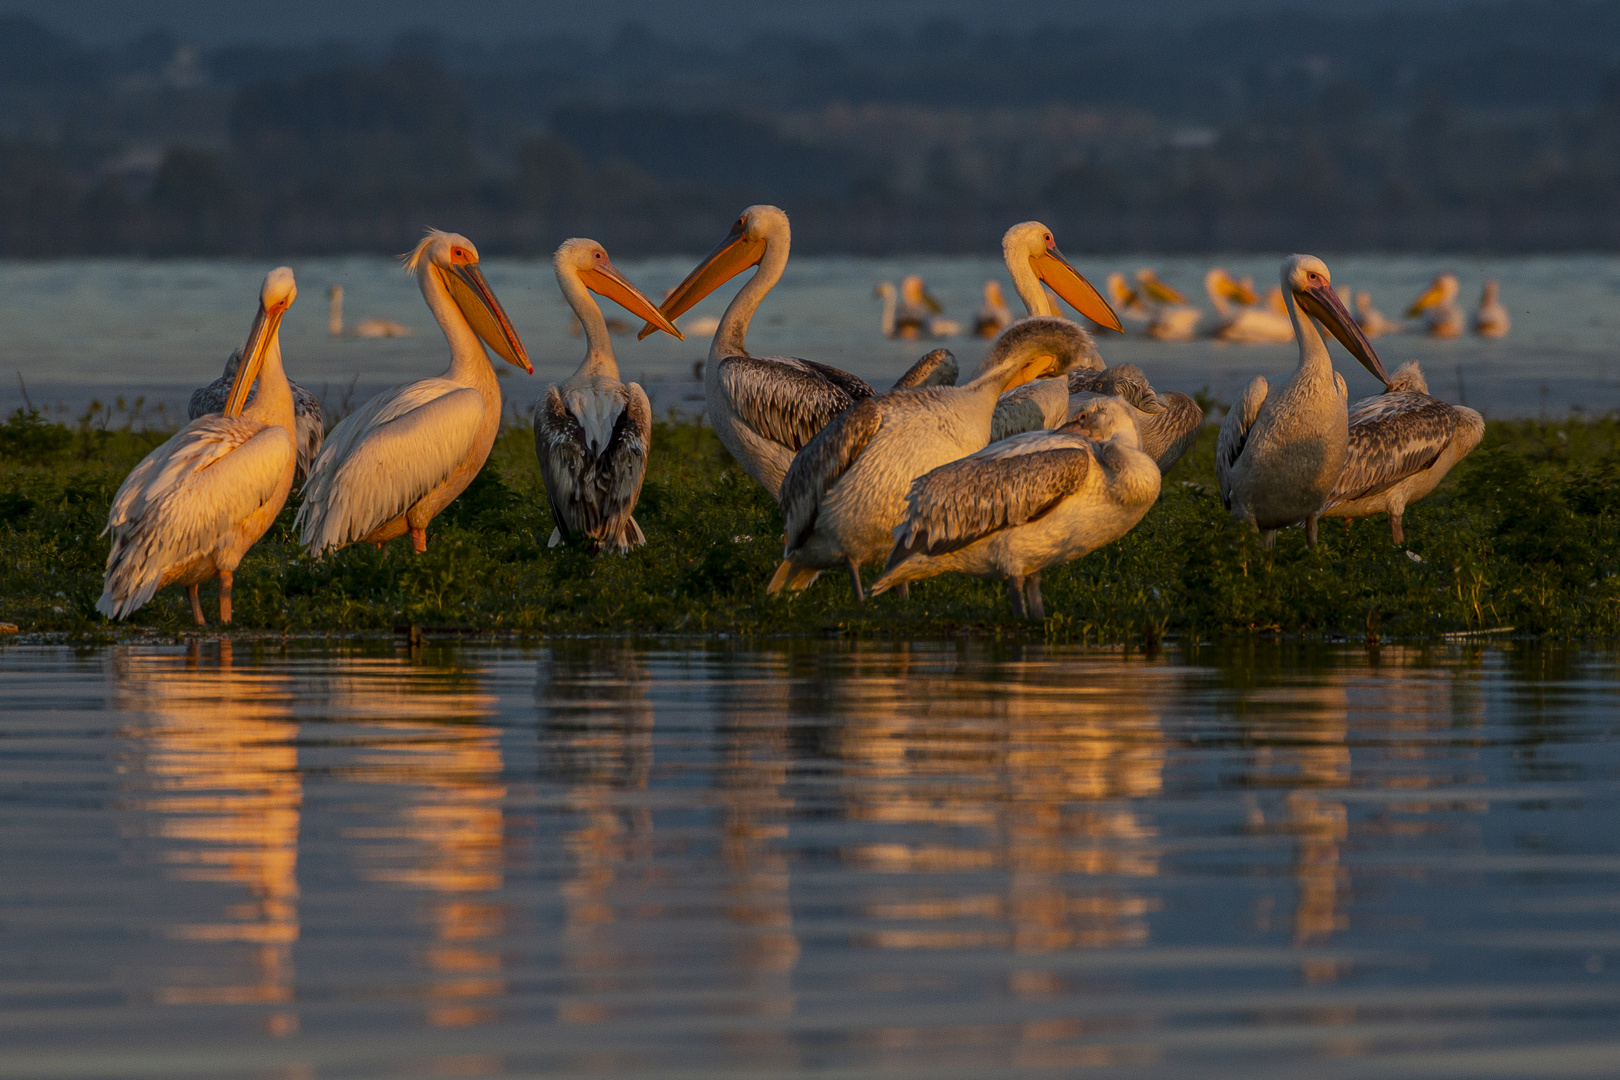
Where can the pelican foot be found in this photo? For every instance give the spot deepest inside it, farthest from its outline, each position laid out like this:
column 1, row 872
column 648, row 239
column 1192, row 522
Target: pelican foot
column 855, row 580
column 225, row 579
column 196, row 605
column 1032, row 598
column 904, row 589
column 419, row 540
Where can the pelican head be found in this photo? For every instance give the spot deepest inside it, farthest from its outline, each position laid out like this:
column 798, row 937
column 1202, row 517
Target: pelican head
column 992, row 294
column 1104, row 418
column 915, row 293
column 1156, row 289
column 1120, row 291
column 1409, row 377
column 1040, row 348
column 1224, row 284
column 1307, row 279
column 755, row 229
column 587, row 262
column 275, row 297
column 1442, row 291
column 884, row 290
column 1033, row 242
column 1491, row 293
column 452, row 260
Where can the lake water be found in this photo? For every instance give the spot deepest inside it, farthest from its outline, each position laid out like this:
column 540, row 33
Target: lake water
column 296, row 862
column 79, row 329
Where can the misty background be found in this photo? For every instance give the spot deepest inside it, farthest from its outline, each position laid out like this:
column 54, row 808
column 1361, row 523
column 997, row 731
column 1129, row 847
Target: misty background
column 192, row 128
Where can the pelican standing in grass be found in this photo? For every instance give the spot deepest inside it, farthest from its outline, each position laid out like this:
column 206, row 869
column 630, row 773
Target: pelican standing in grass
column 994, row 316
column 762, row 408
column 1402, row 444
column 1437, row 307
column 592, row 433
column 1240, row 318
column 1281, row 449
column 1373, row 323
column 1491, row 320
column 194, row 506
column 1024, row 505
column 389, row 467
column 307, row 416
column 846, row 490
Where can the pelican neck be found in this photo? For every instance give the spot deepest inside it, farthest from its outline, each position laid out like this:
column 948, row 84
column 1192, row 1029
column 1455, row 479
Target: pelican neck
column 469, row 364
column 599, row 358
column 730, row 338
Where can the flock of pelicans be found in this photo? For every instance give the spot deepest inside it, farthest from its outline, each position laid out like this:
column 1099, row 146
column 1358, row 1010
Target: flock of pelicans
column 1043, row 455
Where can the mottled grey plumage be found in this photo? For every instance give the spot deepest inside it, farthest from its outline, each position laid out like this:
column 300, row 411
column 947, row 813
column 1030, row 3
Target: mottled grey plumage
column 306, row 412
column 1166, row 423
column 785, row 399
column 593, row 490
column 827, row 457
column 938, row 368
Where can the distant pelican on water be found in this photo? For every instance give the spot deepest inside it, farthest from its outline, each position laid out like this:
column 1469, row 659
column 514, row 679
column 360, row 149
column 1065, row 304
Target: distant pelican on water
column 1491, row 320
column 1437, row 307
column 1171, row 318
column 1373, row 323
column 994, row 316
column 1241, row 320
column 365, row 328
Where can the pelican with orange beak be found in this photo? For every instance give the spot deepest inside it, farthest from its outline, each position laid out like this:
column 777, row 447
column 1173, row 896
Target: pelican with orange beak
column 592, row 433
column 393, row 464
column 1034, row 261
column 194, row 506
column 1281, row 449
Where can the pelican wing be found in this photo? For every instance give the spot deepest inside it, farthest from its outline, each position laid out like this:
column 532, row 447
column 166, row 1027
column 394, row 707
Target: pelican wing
column 184, row 498
column 1166, row 434
column 307, row 415
column 1392, row 436
column 938, row 368
column 788, row 400
column 1034, row 406
column 385, row 457
column 594, row 495
column 1235, row 433
column 1009, row 484
column 816, row 468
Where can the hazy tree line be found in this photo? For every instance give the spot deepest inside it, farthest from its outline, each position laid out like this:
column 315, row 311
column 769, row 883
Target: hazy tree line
column 1486, row 128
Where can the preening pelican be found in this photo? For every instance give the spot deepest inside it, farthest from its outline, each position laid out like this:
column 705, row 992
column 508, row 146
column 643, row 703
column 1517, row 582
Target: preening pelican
column 937, row 368
column 1166, row 423
column 1373, row 323
column 365, row 328
column 995, row 316
column 1438, row 308
column 1281, row 451
column 1171, row 318
column 1491, row 320
column 1240, row 318
column 846, row 489
column 311, row 424
column 762, row 408
column 592, row 432
column 194, row 506
column 389, row 467
column 1034, row 261
column 1022, row 506
column 1402, row 444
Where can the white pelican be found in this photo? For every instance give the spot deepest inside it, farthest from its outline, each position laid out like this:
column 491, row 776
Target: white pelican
column 592, row 432
column 365, row 328
column 762, row 408
column 994, row 316
column 886, row 324
column 1246, row 323
column 311, row 424
column 1171, row 317
column 1438, row 308
column 1402, row 444
column 1491, row 320
column 1124, row 299
column 1166, row 423
column 1373, row 323
column 937, row 368
column 846, row 489
column 194, row 506
column 1034, row 262
column 1024, row 505
column 1281, row 451
column 918, row 309
column 394, row 463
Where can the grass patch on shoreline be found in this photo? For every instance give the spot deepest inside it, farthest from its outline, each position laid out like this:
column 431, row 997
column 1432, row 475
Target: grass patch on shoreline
column 1525, row 533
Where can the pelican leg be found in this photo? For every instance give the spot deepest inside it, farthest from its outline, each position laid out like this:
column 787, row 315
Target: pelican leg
column 225, row 577
column 1395, row 530
column 904, row 589
column 1015, row 592
column 1310, row 530
column 419, row 540
column 855, row 580
column 1032, row 598
column 1268, row 537
column 196, row 605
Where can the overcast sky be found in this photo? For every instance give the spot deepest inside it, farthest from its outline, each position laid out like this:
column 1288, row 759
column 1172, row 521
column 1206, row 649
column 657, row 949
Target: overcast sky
column 212, row 22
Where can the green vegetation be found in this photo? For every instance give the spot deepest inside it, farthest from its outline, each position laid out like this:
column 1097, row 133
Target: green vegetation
column 1525, row 534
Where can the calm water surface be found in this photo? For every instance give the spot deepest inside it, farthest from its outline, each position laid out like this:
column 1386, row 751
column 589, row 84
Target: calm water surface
column 937, row 861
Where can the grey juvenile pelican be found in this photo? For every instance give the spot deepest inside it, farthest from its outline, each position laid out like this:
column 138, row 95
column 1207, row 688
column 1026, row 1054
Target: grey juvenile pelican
column 1281, row 450
column 762, row 408
column 307, row 415
column 1402, row 444
column 846, row 490
column 1026, row 504
column 592, row 432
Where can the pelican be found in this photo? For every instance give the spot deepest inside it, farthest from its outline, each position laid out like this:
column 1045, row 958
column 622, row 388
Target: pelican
column 919, row 310
column 1166, row 423
column 1280, row 452
column 994, row 316
column 1020, row 507
column 365, row 328
column 886, row 322
column 846, row 490
column 1246, row 323
column 762, row 408
column 592, row 432
column 1124, row 299
column 1373, row 323
column 1438, row 309
column 1402, row 444
column 311, row 424
column 394, row 463
column 194, row 506
column 1172, row 318
column 1034, row 262
column 1491, row 320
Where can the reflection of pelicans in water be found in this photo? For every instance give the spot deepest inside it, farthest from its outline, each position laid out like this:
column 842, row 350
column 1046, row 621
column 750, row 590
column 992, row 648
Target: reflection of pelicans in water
column 365, row 328
column 1241, row 320
column 1491, row 320
column 1026, row 504
column 592, row 433
column 1437, row 307
column 995, row 316
column 846, row 490
column 1281, row 451
column 194, row 506
column 1402, row 444
column 1171, row 318
column 1373, row 323
column 308, row 420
